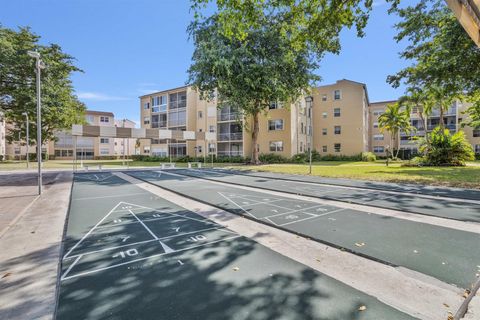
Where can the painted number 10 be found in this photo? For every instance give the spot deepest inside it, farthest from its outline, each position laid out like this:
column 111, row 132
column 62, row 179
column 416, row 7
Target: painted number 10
column 124, row 254
column 196, row 238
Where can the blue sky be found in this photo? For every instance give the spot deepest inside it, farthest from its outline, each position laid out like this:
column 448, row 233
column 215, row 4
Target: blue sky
column 128, row 48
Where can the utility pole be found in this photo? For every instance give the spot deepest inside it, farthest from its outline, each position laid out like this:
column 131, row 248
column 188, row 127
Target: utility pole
column 309, row 105
column 28, row 138
column 39, row 66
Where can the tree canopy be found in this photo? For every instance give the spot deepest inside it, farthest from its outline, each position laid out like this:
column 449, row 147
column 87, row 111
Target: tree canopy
column 444, row 58
column 251, row 73
column 60, row 106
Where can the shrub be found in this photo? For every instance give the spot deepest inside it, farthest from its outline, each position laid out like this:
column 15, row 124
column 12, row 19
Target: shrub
column 272, row 158
column 369, row 157
column 445, row 149
column 415, row 162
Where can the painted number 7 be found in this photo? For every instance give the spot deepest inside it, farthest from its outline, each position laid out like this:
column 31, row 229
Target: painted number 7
column 124, row 254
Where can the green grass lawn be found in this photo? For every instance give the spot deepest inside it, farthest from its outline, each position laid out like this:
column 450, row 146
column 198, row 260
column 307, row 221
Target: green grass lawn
column 466, row 177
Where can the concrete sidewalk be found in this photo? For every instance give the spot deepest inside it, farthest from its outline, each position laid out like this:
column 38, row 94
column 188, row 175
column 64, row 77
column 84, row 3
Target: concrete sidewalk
column 30, row 244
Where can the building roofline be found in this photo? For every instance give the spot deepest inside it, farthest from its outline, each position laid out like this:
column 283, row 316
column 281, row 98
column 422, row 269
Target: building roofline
column 352, row 81
column 163, row 91
column 384, row 101
column 105, row 113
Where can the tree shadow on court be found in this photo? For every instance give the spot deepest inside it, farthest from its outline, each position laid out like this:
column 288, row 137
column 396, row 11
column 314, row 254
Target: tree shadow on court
column 230, row 280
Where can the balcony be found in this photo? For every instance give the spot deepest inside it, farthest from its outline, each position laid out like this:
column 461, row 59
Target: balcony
column 451, row 127
column 227, row 116
column 232, row 136
column 450, row 112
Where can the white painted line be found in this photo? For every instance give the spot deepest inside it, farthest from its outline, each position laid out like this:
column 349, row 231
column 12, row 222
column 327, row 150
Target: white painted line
column 90, row 231
column 70, row 267
column 143, row 224
column 114, row 196
column 220, row 228
column 326, row 185
column 152, row 256
column 238, row 206
column 315, row 216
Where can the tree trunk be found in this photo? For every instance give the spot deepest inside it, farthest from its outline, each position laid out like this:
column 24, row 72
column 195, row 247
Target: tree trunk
column 441, row 118
column 424, row 124
column 255, row 130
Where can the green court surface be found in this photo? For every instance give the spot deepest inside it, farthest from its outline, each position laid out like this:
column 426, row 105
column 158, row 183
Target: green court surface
column 394, row 197
column 129, row 254
column 449, row 255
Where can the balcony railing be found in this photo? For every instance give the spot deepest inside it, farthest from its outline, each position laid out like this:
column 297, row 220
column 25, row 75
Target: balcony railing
column 227, row 116
column 450, row 112
column 233, row 136
column 230, row 153
column 450, row 127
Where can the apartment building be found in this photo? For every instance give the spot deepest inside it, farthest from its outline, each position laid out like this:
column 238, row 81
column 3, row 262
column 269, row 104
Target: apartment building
column 282, row 131
column 119, row 143
column 408, row 143
column 343, row 122
column 341, row 118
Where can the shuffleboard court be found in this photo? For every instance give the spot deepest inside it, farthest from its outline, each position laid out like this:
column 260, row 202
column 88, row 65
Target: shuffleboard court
column 458, row 209
column 129, row 254
column 449, row 255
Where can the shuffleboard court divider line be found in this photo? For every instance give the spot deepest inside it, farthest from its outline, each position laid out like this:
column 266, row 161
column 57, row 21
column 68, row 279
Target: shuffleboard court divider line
column 328, row 198
column 417, row 194
column 71, row 267
column 328, row 243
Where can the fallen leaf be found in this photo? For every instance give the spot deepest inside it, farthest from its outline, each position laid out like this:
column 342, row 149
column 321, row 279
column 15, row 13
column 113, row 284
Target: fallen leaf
column 317, row 259
column 236, row 269
column 446, row 305
column 362, row 308
column 359, row 244
column 6, row 275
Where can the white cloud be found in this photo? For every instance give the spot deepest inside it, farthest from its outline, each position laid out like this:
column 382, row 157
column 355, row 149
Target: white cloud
column 95, row 96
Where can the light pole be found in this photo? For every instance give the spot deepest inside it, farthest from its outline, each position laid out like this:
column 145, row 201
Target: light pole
column 28, row 137
column 39, row 66
column 309, row 104
column 123, row 151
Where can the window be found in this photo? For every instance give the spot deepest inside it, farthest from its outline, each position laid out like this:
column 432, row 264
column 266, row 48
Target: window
column 90, row 119
column 309, row 113
column 104, row 151
column 378, row 149
column 378, row 137
column 375, row 124
column 377, row 112
column 336, row 112
column 324, row 131
column 337, row 147
column 275, row 105
column 146, row 120
column 338, row 130
column 301, row 146
column 276, row 146
column 476, row 132
column 324, row 97
column 199, row 149
column 477, row 149
column 146, row 149
column 104, row 140
column 200, row 114
column 17, row 150
column 146, row 105
column 104, row 119
column 302, row 129
column 337, row 95
column 275, row 124
column 324, row 148
column 324, row 115
column 211, row 128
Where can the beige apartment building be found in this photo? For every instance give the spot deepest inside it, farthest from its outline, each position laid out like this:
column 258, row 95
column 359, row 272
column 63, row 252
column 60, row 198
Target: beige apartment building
column 344, row 122
column 282, row 131
column 122, row 145
column 452, row 120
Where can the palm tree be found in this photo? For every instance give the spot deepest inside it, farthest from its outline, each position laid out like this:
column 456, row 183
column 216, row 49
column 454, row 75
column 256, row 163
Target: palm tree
column 395, row 119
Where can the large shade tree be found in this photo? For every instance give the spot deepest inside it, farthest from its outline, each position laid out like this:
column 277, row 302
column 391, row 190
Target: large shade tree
column 258, row 51
column 60, row 106
column 249, row 74
column 444, row 58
